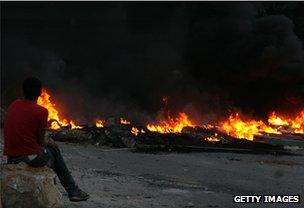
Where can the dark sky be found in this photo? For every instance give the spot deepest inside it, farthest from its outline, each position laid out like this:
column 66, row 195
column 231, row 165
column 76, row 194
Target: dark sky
column 120, row 59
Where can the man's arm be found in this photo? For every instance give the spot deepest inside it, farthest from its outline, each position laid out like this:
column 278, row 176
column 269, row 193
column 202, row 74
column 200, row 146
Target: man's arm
column 41, row 137
column 45, row 140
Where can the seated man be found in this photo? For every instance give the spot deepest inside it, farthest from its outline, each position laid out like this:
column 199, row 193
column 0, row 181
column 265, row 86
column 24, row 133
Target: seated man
column 24, row 139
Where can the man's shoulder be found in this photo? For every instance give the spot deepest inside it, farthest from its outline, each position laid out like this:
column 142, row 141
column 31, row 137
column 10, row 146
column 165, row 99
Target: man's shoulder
column 41, row 109
column 16, row 102
column 29, row 105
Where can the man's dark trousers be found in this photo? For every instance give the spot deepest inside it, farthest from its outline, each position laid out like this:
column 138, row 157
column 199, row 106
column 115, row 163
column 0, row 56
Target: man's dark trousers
column 52, row 158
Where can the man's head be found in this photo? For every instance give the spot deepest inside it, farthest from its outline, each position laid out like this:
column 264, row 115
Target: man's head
column 31, row 88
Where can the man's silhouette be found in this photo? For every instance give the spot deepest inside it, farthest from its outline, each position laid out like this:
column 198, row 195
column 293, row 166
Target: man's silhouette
column 24, row 139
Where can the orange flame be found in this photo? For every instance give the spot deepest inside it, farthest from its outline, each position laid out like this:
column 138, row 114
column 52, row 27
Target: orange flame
column 276, row 120
column 235, row 125
column 207, row 126
column 74, row 126
column 99, row 123
column 44, row 101
column 134, row 131
column 298, row 123
column 294, row 123
column 172, row 125
column 212, row 139
column 124, row 121
column 245, row 129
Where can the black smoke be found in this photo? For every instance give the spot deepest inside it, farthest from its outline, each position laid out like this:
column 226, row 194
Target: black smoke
column 119, row 59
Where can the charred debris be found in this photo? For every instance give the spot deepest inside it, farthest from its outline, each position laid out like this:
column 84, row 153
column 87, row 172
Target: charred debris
column 114, row 134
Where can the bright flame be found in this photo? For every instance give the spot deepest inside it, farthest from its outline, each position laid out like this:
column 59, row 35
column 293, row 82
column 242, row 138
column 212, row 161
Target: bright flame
column 245, row 129
column 99, row 123
column 294, row 123
column 235, row 125
column 44, row 100
column 171, row 125
column 212, row 139
column 134, row 131
column 74, row 126
column 276, row 120
column 124, row 121
column 298, row 123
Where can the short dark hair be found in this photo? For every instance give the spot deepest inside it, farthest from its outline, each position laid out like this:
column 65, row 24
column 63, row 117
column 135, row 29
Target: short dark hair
column 31, row 88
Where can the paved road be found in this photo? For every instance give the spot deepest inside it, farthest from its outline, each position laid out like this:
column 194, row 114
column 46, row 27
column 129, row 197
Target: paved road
column 120, row 178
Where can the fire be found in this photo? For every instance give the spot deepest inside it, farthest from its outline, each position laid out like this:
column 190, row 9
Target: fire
column 124, row 121
column 74, row 126
column 238, row 128
column 276, row 120
column 99, row 123
column 277, row 124
column 245, row 129
column 44, row 100
column 207, row 126
column 298, row 123
column 134, row 131
column 172, row 125
column 212, row 139
column 235, row 125
column 294, row 123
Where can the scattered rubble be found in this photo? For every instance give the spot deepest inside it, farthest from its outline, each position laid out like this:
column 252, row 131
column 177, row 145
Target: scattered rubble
column 190, row 139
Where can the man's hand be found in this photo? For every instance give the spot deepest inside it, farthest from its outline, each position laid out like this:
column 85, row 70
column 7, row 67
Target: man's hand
column 46, row 140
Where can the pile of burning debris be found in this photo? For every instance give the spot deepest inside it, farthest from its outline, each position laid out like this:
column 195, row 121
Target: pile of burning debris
column 181, row 134
column 116, row 134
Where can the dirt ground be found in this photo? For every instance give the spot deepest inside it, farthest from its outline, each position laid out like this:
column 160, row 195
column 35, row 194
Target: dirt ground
column 121, row 178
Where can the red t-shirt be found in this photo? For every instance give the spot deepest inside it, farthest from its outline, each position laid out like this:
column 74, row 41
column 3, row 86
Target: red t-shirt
column 22, row 122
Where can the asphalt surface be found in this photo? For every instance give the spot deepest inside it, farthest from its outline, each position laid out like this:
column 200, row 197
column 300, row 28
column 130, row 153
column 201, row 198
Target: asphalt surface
column 121, row 178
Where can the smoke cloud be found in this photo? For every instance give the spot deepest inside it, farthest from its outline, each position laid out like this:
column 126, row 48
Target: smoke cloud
column 119, row 59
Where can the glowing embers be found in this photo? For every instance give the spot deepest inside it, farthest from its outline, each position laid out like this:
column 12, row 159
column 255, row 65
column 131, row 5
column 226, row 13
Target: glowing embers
column 213, row 139
column 56, row 121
